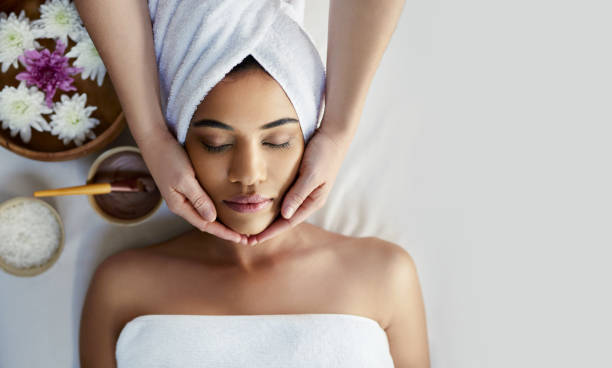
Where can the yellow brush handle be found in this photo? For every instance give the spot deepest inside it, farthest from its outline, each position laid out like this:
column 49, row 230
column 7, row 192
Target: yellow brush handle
column 99, row 188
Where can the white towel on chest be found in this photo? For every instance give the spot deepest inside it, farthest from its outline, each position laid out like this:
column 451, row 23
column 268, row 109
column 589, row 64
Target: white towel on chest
column 197, row 42
column 254, row 341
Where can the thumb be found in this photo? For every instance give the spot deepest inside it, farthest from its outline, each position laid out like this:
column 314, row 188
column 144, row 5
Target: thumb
column 294, row 198
column 200, row 200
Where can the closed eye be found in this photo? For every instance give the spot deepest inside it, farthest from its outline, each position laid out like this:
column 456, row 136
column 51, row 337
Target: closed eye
column 223, row 147
column 220, row 148
column 278, row 146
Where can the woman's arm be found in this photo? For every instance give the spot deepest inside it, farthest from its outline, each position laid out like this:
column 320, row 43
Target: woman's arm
column 358, row 34
column 122, row 33
column 100, row 319
column 407, row 326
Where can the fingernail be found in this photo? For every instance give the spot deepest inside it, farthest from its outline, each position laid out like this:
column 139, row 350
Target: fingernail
column 288, row 212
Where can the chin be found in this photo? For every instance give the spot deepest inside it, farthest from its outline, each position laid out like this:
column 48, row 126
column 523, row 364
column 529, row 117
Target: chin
column 248, row 226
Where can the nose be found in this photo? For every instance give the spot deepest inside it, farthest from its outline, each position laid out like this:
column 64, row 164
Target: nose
column 248, row 166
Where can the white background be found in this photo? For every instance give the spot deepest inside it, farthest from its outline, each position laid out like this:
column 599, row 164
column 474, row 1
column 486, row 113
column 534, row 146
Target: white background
column 484, row 150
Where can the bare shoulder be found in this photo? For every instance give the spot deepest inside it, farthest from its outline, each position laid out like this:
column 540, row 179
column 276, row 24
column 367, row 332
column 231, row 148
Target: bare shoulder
column 388, row 267
column 395, row 261
column 389, row 259
column 120, row 267
column 122, row 275
column 390, row 253
column 114, row 280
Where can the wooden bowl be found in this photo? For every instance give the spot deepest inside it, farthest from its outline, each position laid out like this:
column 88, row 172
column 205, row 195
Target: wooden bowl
column 46, row 147
column 33, row 271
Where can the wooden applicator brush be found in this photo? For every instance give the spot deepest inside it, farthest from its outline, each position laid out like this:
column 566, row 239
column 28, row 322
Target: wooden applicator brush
column 139, row 184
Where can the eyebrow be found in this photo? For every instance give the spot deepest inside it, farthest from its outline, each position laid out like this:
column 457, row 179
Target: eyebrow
column 217, row 124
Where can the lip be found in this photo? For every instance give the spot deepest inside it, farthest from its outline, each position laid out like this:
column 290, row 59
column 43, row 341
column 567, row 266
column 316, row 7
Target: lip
column 248, row 204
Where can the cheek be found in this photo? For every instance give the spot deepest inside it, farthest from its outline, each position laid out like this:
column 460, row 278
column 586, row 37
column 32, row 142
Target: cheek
column 204, row 164
column 205, row 167
column 286, row 168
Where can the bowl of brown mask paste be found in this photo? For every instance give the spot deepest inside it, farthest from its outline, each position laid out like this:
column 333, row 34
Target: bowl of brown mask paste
column 124, row 208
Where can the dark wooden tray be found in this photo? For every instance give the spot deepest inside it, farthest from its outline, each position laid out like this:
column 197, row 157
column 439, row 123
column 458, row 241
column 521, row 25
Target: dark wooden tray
column 46, row 147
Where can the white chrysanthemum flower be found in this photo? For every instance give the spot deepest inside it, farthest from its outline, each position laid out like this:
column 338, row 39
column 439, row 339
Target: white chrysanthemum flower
column 21, row 108
column 71, row 121
column 59, row 18
column 87, row 57
column 16, row 36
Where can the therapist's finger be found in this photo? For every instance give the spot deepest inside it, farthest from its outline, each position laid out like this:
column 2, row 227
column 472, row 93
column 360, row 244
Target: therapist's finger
column 278, row 226
column 200, row 201
column 187, row 211
column 308, row 207
column 221, row 231
column 297, row 194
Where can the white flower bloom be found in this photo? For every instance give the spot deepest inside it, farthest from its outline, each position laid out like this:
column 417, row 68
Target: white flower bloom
column 21, row 108
column 87, row 57
column 71, row 121
column 59, row 18
column 16, row 36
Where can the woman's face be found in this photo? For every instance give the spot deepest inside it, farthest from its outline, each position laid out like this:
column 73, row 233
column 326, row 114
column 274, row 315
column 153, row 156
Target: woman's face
column 245, row 140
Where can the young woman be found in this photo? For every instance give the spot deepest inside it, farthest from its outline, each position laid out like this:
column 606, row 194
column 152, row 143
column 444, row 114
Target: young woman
column 307, row 297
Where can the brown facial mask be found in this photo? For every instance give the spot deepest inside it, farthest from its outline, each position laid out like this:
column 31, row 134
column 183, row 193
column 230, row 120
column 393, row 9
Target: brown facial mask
column 122, row 205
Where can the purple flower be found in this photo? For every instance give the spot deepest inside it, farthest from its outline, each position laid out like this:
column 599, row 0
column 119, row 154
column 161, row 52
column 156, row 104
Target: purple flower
column 48, row 71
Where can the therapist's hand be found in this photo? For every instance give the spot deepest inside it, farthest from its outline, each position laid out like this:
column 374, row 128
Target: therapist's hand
column 175, row 178
column 320, row 164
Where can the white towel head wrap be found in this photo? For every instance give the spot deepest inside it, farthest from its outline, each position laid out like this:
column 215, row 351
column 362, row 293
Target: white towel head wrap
column 197, row 42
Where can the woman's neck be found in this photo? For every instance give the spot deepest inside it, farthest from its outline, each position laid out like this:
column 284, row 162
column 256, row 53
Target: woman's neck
column 251, row 258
